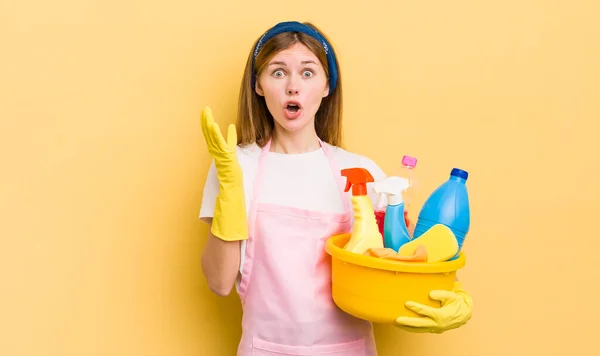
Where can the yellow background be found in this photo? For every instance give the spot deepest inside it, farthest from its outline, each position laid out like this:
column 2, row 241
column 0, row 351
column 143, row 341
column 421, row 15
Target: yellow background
column 103, row 162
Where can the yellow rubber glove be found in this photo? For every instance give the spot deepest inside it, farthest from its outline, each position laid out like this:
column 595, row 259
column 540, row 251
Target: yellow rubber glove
column 229, row 220
column 455, row 311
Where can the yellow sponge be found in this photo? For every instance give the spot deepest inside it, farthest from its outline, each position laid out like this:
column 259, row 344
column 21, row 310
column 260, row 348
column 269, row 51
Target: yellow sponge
column 439, row 241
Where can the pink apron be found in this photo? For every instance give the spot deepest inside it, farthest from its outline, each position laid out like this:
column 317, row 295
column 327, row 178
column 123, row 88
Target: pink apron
column 286, row 281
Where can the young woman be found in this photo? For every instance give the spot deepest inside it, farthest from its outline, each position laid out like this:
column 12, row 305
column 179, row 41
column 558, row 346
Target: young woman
column 274, row 196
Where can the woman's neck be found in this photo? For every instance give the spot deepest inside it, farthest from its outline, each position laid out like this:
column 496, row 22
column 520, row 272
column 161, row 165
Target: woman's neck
column 294, row 142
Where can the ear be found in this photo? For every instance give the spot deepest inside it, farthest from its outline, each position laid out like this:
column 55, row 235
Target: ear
column 326, row 91
column 258, row 89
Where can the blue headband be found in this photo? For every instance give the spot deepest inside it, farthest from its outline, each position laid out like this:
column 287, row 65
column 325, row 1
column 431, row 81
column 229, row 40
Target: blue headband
column 294, row 26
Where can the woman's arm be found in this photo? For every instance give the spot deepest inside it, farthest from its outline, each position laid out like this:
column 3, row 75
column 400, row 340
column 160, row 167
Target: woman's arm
column 223, row 207
column 220, row 264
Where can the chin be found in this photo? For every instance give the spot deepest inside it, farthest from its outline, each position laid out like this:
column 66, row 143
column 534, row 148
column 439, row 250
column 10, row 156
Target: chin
column 294, row 125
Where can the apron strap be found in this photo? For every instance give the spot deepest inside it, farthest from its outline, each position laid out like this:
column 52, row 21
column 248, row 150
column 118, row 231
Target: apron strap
column 337, row 173
column 257, row 186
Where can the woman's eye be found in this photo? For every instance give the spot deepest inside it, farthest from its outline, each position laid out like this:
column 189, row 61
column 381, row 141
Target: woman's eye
column 307, row 74
column 278, row 73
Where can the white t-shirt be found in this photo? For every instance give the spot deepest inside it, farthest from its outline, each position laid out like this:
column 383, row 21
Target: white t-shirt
column 304, row 181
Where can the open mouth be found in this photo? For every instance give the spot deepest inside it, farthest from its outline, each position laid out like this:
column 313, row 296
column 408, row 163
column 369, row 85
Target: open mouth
column 292, row 107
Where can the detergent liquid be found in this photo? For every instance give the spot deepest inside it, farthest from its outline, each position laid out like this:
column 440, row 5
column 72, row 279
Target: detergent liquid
column 448, row 205
column 395, row 232
column 365, row 232
column 380, row 218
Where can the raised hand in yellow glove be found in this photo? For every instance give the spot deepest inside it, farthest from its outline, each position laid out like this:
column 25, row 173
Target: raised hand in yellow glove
column 455, row 311
column 229, row 220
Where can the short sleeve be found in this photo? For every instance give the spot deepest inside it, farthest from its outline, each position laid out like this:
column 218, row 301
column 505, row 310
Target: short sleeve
column 378, row 174
column 209, row 197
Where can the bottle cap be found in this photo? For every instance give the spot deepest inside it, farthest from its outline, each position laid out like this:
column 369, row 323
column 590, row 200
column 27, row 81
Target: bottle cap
column 409, row 161
column 456, row 172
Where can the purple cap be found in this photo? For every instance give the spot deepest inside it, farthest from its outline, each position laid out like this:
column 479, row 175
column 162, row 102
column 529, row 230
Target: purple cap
column 409, row 161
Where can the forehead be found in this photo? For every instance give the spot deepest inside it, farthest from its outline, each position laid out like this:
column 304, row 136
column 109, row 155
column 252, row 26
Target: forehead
column 298, row 52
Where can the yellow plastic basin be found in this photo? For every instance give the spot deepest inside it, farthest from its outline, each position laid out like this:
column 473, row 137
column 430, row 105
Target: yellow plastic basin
column 376, row 289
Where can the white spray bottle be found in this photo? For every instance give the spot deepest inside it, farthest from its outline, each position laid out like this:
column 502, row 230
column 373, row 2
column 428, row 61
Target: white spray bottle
column 395, row 233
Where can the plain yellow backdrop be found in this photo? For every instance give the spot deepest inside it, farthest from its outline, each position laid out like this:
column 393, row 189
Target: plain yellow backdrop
column 103, row 162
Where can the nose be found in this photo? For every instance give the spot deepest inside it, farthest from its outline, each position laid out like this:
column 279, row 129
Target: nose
column 292, row 86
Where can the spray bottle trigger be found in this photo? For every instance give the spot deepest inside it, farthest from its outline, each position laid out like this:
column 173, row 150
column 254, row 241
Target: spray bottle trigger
column 392, row 187
column 348, row 185
column 357, row 178
column 382, row 201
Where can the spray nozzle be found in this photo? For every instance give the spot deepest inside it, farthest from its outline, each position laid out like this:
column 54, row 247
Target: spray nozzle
column 357, row 179
column 393, row 188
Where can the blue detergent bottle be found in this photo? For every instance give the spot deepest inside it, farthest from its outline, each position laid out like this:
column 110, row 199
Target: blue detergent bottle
column 448, row 205
column 395, row 233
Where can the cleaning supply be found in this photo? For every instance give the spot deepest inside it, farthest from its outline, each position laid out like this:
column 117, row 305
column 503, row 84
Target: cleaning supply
column 377, row 289
column 380, row 219
column 365, row 233
column 229, row 222
column 408, row 165
column 379, row 209
column 420, row 254
column 408, row 171
column 439, row 241
column 448, row 205
column 395, row 232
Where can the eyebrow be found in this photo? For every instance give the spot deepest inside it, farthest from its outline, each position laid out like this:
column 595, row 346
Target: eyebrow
column 283, row 63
